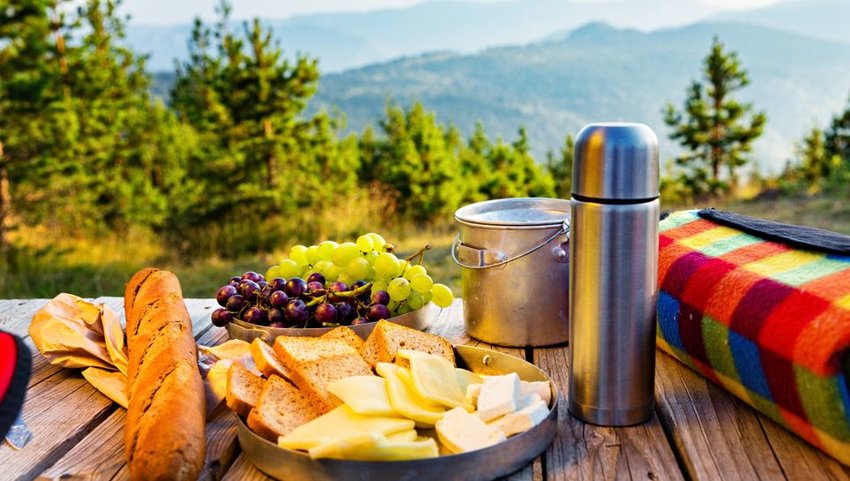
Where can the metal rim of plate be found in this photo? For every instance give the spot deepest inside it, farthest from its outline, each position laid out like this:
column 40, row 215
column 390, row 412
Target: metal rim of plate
column 238, row 329
column 480, row 465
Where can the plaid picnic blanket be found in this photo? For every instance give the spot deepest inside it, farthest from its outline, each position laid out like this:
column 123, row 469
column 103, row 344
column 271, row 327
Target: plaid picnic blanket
column 768, row 321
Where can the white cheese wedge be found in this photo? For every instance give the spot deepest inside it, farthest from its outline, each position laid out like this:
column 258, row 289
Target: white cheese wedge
column 460, row 431
column 541, row 388
column 532, row 411
column 499, row 396
column 472, row 392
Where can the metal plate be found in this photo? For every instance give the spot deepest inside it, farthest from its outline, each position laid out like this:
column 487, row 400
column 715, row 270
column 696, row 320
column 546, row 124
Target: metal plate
column 238, row 329
column 516, row 212
column 481, row 465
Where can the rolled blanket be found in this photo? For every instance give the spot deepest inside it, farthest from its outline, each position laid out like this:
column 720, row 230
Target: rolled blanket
column 769, row 320
column 15, row 365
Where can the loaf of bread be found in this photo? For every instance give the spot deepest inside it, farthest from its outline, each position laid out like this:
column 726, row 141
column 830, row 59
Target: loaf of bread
column 164, row 433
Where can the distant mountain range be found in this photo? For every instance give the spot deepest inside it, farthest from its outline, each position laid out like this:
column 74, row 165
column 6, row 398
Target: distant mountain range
column 600, row 73
column 826, row 19
column 797, row 54
column 346, row 40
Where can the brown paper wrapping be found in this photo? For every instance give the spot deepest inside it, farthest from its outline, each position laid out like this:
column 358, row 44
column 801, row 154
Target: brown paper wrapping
column 68, row 331
column 72, row 332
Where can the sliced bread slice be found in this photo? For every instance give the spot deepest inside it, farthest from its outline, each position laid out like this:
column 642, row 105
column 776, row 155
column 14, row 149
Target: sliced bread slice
column 280, row 409
column 243, row 389
column 315, row 362
column 388, row 337
column 347, row 334
column 267, row 361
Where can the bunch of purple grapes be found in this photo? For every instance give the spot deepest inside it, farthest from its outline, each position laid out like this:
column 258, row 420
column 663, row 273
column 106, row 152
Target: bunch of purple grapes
column 297, row 302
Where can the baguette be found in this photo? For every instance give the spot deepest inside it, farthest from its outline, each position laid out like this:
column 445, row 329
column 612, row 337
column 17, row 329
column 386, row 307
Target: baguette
column 164, row 434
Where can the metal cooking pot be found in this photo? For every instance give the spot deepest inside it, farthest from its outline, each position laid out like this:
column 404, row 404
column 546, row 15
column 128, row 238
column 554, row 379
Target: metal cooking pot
column 515, row 277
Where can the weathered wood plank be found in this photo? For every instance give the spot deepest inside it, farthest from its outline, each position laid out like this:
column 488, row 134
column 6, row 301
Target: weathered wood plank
column 800, row 460
column 60, row 411
column 51, row 391
column 720, row 437
column 15, row 315
column 61, row 440
column 586, row 452
column 100, row 455
column 717, row 436
column 243, row 470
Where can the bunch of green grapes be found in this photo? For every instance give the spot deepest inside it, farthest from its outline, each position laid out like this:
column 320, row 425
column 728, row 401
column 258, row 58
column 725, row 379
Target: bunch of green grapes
column 369, row 259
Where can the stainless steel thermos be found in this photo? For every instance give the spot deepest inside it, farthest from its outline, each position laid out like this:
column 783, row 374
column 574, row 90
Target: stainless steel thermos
column 613, row 281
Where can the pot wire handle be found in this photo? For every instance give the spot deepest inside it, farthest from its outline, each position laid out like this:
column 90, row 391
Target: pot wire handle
column 564, row 230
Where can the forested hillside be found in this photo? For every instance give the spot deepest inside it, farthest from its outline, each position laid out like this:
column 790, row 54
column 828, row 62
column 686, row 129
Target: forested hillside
column 602, row 73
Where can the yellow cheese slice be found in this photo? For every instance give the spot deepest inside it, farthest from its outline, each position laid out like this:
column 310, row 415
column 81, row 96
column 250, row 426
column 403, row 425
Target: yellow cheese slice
column 405, row 400
column 435, row 379
column 403, row 436
column 465, row 378
column 364, row 395
column 375, row 447
column 341, row 423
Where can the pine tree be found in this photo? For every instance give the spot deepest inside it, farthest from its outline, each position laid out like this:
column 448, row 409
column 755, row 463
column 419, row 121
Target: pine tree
column 416, row 164
column 815, row 165
column 260, row 157
column 28, row 87
column 715, row 129
column 475, row 166
column 837, row 138
column 560, row 167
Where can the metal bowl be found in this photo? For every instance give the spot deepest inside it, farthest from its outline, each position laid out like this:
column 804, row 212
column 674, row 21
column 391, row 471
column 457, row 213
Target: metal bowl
column 480, row 465
column 245, row 331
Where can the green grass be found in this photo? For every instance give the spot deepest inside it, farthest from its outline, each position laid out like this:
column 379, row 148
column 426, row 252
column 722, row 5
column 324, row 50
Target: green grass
column 46, row 263
column 43, row 265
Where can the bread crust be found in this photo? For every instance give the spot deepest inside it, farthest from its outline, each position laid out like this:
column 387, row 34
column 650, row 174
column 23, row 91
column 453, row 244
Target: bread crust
column 164, row 433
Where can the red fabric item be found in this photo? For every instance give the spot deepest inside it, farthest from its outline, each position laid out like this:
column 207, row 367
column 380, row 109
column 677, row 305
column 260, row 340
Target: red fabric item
column 8, row 356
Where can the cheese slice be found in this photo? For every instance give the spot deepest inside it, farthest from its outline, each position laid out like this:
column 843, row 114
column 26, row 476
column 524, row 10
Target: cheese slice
column 435, row 379
column 364, row 395
column 341, row 423
column 403, row 436
column 460, row 431
column 541, row 388
column 404, row 399
column 532, row 411
column 472, row 392
column 375, row 447
column 499, row 396
column 467, row 378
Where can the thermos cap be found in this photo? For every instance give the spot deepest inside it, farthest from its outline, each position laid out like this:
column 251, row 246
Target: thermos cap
column 616, row 161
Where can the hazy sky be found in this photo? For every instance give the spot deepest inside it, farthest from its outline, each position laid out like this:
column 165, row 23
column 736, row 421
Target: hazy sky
column 168, row 12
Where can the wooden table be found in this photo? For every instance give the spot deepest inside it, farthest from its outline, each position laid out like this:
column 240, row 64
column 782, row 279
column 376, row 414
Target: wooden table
column 699, row 431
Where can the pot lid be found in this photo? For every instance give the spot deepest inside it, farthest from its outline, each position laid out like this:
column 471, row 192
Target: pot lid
column 523, row 211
